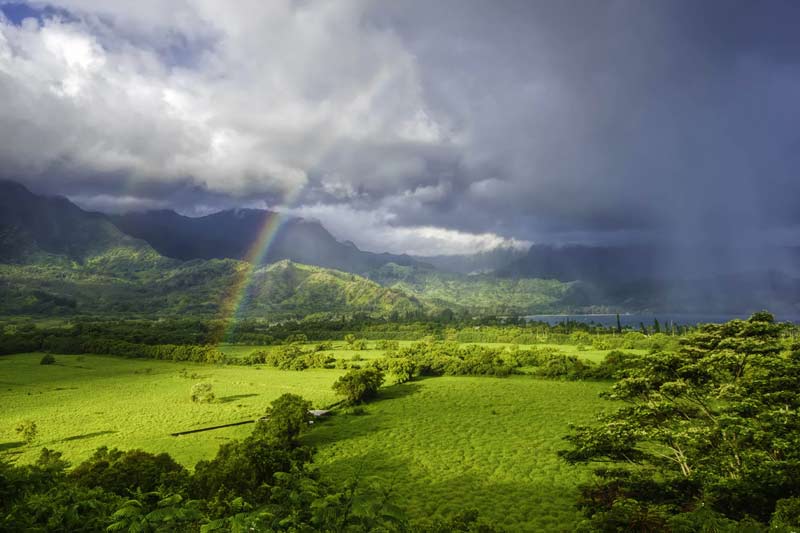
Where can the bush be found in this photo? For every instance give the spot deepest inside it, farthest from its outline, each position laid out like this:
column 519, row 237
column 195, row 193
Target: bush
column 403, row 368
column 384, row 344
column 202, row 393
column 27, row 430
column 787, row 515
column 614, row 363
column 47, row 359
column 359, row 385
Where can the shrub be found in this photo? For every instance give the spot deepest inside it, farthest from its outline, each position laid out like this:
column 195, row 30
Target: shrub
column 614, row 363
column 403, row 368
column 202, row 393
column 359, row 385
column 27, row 430
column 47, row 359
column 387, row 345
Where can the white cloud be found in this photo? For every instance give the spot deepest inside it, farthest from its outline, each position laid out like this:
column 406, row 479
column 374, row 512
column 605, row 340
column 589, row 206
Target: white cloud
column 106, row 203
column 269, row 92
column 376, row 231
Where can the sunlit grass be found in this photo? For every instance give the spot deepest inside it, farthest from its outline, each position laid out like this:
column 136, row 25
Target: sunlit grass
column 450, row 443
column 83, row 402
column 444, row 444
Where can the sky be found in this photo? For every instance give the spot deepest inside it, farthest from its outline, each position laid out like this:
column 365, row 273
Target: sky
column 440, row 127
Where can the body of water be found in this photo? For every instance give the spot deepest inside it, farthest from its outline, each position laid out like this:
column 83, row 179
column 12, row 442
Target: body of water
column 634, row 319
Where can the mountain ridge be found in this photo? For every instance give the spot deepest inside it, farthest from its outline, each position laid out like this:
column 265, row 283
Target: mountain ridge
column 231, row 234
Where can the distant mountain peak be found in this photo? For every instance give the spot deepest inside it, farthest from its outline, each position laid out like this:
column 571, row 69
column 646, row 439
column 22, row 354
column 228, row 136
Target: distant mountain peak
column 231, row 234
column 54, row 225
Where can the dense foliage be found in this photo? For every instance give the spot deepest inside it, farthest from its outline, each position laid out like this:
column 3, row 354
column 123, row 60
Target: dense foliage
column 708, row 434
column 436, row 358
column 359, row 385
column 174, row 337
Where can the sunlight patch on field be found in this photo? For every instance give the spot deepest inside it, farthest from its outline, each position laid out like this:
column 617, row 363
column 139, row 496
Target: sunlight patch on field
column 83, row 402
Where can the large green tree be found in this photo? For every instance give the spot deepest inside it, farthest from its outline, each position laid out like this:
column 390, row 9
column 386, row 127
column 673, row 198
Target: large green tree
column 710, row 433
column 286, row 418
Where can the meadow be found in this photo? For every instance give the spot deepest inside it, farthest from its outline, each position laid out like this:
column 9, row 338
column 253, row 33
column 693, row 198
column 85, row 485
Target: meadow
column 451, row 443
column 441, row 445
column 83, row 402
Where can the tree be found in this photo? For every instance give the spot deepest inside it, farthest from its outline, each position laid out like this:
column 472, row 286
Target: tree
column 27, row 430
column 286, row 418
column 202, row 393
column 350, row 339
column 359, row 385
column 125, row 472
column 714, row 428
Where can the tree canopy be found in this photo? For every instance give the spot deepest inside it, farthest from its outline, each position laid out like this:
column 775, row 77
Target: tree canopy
column 712, row 429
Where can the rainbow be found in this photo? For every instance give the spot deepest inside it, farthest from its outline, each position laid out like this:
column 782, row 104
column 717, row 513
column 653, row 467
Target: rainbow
column 236, row 296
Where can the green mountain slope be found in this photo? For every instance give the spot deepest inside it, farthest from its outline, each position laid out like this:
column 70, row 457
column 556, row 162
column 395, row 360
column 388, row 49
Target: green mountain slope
column 304, row 289
column 202, row 288
column 52, row 231
column 482, row 293
column 56, row 258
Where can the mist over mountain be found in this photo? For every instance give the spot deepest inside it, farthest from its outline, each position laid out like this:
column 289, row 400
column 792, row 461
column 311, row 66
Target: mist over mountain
column 58, row 259
column 203, row 253
column 477, row 263
column 686, row 278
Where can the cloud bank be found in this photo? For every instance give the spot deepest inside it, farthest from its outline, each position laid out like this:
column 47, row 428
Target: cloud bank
column 424, row 127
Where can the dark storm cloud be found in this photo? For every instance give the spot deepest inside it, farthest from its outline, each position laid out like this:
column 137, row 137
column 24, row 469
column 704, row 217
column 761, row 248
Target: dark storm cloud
column 622, row 115
column 545, row 121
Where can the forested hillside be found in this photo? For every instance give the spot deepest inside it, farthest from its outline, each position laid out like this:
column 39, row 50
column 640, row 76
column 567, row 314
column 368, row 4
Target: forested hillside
column 56, row 258
column 481, row 292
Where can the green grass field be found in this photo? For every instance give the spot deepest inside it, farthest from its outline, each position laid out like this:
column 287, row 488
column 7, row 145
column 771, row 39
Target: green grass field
column 443, row 444
column 81, row 403
column 450, row 443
